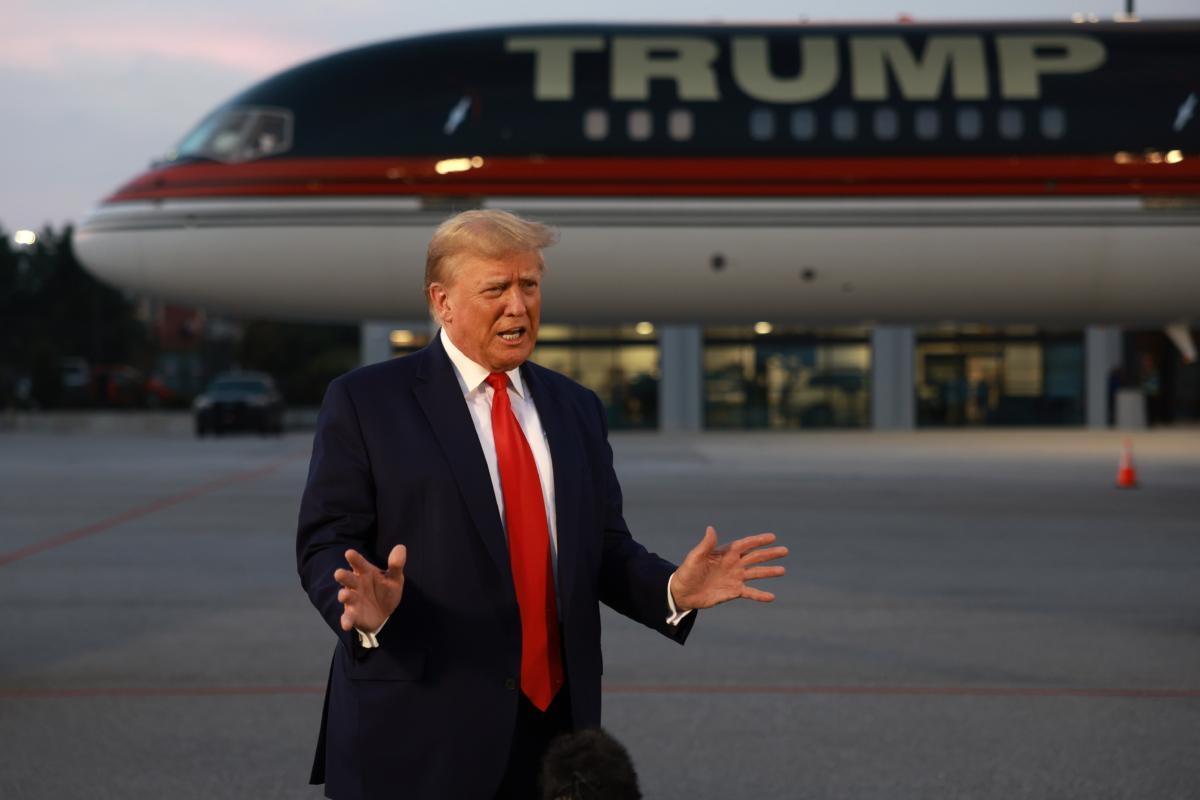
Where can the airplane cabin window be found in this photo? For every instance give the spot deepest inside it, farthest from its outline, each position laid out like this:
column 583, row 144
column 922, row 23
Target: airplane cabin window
column 927, row 124
column 1054, row 122
column 886, row 124
column 680, row 125
column 845, row 124
column 595, row 124
column 969, row 123
column 804, row 124
column 762, row 124
column 1011, row 123
column 639, row 124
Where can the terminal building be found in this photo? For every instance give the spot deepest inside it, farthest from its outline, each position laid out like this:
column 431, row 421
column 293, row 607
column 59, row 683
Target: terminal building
column 780, row 377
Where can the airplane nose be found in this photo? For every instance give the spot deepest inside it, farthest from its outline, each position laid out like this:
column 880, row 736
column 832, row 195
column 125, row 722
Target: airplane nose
column 108, row 250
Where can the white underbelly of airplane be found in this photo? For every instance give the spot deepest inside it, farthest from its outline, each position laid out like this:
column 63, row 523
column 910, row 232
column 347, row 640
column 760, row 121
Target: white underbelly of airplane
column 1070, row 261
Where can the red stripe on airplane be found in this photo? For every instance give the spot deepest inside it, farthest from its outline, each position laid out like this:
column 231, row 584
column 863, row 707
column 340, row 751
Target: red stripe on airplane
column 552, row 176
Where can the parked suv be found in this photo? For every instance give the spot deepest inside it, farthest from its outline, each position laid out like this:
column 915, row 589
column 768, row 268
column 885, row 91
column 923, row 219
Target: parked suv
column 239, row 401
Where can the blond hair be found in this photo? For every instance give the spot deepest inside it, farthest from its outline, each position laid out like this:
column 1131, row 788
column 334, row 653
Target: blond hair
column 490, row 233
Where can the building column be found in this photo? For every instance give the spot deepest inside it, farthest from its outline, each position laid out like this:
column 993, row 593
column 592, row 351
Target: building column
column 893, row 374
column 374, row 344
column 375, row 337
column 1102, row 354
column 681, row 385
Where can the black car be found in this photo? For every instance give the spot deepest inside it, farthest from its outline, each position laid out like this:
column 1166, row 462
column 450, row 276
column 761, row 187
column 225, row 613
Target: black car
column 239, row 401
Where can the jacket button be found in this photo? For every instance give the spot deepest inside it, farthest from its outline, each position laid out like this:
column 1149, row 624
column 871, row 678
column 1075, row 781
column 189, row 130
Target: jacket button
column 510, row 683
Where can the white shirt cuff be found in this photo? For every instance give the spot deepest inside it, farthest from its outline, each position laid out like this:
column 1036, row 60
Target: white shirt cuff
column 677, row 616
column 369, row 642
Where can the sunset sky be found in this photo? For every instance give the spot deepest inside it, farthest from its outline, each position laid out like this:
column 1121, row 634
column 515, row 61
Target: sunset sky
column 94, row 91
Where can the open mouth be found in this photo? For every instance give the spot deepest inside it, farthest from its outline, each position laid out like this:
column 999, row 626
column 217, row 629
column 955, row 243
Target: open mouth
column 512, row 334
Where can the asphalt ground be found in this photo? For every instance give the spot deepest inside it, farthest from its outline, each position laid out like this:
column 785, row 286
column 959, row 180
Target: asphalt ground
column 966, row 615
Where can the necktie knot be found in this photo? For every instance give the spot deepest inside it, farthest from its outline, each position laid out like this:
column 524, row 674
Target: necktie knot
column 498, row 381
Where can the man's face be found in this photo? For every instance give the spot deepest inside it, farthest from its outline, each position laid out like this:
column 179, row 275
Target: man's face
column 491, row 307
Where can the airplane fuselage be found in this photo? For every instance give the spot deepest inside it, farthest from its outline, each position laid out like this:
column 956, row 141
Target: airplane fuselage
column 1017, row 172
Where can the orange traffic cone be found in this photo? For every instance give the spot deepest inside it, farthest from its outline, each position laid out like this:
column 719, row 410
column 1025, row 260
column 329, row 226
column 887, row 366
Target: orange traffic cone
column 1126, row 474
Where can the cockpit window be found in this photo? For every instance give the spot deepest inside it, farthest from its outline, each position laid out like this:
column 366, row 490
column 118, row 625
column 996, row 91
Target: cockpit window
column 239, row 133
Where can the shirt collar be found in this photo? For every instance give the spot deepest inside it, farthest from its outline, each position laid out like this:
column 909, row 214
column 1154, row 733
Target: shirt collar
column 471, row 375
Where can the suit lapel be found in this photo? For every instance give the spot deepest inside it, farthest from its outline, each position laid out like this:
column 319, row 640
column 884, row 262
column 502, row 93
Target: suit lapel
column 440, row 397
column 564, row 452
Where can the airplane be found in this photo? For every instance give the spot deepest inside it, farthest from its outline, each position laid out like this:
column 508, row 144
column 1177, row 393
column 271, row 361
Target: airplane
column 1028, row 172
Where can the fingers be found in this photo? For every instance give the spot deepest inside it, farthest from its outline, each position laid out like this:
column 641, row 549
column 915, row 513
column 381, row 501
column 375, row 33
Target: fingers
column 397, row 559
column 750, row 542
column 706, row 546
column 755, row 573
column 346, row 578
column 764, row 554
column 357, row 562
column 750, row 593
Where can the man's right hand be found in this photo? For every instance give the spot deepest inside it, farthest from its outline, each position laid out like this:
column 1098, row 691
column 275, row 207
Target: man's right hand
column 369, row 595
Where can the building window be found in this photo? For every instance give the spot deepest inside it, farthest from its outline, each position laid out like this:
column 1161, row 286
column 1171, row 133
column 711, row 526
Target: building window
column 1011, row 123
column 845, row 124
column 969, row 123
column 927, row 124
column 595, row 124
column 1054, row 122
column 619, row 364
column 762, row 124
column 640, row 125
column 785, row 379
column 679, row 125
column 998, row 377
column 886, row 124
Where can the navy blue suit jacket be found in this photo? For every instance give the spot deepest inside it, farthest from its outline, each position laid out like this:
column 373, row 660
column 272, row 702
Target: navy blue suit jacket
column 396, row 460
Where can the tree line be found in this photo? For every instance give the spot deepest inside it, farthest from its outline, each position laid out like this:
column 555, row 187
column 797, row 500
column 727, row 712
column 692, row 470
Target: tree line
column 55, row 315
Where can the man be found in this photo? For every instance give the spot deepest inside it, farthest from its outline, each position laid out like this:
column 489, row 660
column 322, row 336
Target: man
column 460, row 526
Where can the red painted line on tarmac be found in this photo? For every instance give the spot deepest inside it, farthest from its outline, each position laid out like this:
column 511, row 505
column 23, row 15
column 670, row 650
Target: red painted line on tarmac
column 153, row 691
column 150, row 508
column 49, row 693
column 946, row 691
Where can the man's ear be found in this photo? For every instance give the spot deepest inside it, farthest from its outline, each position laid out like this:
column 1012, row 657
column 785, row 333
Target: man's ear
column 439, row 301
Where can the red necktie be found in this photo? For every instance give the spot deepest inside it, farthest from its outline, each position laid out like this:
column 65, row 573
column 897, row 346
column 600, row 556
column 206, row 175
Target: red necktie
column 528, row 551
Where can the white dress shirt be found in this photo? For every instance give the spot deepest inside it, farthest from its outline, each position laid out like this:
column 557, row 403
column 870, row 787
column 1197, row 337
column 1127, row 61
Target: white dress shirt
column 478, row 393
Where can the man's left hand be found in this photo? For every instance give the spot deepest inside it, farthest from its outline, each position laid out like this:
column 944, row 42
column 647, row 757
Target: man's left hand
column 713, row 573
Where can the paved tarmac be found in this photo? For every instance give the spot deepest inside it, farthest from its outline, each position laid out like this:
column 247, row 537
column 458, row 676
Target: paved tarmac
column 966, row 615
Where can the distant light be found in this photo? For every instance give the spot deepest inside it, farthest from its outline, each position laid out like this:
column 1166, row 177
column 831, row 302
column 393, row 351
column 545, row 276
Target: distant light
column 1123, row 158
column 1078, row 17
column 399, row 338
column 1154, row 157
column 763, row 328
column 25, row 238
column 644, row 328
column 448, row 165
column 1174, row 156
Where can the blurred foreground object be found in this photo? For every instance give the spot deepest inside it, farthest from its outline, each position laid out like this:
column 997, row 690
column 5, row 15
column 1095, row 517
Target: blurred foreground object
column 588, row 765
